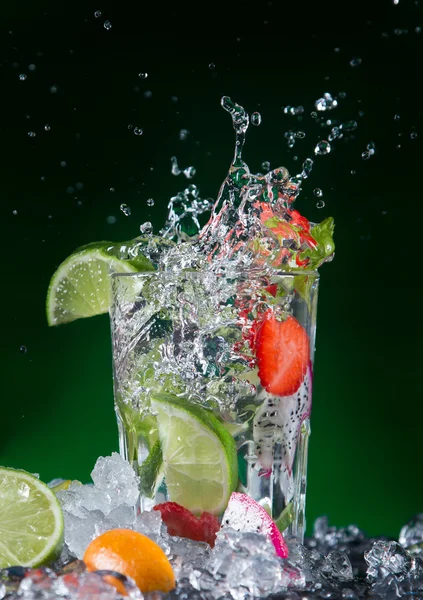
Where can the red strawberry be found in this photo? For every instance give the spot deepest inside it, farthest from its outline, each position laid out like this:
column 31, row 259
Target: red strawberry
column 283, row 353
column 181, row 522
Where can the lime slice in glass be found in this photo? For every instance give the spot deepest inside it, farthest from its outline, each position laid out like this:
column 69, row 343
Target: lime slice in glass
column 31, row 520
column 199, row 455
column 80, row 287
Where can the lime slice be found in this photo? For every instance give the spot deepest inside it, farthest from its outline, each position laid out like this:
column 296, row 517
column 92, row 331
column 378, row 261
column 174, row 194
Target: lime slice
column 199, row 455
column 31, row 520
column 80, row 287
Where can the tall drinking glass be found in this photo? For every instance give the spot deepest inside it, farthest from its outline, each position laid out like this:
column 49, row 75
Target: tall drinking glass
column 212, row 381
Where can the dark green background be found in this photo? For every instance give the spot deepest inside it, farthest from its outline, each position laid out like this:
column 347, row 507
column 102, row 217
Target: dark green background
column 57, row 402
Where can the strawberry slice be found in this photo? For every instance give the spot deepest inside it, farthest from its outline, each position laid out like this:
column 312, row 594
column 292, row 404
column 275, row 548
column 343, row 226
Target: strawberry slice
column 181, row 522
column 283, row 353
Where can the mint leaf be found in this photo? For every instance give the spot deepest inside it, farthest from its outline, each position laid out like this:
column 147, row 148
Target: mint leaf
column 323, row 234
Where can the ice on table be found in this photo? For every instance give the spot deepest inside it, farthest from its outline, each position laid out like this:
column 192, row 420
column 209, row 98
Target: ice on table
column 335, row 563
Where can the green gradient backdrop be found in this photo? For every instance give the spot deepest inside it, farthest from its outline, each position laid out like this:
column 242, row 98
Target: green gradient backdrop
column 57, row 402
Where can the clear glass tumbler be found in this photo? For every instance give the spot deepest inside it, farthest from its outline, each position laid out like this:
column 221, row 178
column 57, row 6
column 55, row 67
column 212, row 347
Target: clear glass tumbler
column 213, row 380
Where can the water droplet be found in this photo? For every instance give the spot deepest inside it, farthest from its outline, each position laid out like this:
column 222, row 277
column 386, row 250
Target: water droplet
column 397, row 117
column 148, row 94
column 53, row 89
column 125, row 209
column 79, row 185
column 32, row 67
column 371, row 147
column 70, row 189
column 107, row 25
column 23, row 76
column 366, row 155
column 111, row 220
column 112, row 189
column 322, row 148
column 63, row 163
column 413, row 135
column 175, row 169
column 320, row 204
column 42, row 178
column 398, row 147
column 355, row 62
column 97, row 14
column 47, row 127
column 212, row 66
column 349, row 126
column 353, row 172
column 183, row 134
column 150, row 202
column 31, row 134
column 265, row 165
column 130, row 126
column 189, row 172
column 143, row 75
column 146, row 228
column 313, row 115
column 138, row 131
column 256, row 118
column 307, row 167
column 23, row 349
column 317, row 192
column 326, row 102
column 14, row 212
column 300, row 135
column 418, row 29
column 174, row 99
column 337, row 49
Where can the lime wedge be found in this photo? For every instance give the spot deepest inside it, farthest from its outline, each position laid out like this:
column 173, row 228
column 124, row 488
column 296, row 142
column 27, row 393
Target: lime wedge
column 80, row 287
column 31, row 520
column 199, row 455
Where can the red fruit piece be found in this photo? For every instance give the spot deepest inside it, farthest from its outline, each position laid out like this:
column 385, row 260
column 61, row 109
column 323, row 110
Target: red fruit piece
column 283, row 353
column 181, row 522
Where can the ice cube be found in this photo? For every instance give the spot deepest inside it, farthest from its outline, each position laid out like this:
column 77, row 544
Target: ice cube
column 337, row 566
column 388, row 558
column 115, row 476
column 412, row 533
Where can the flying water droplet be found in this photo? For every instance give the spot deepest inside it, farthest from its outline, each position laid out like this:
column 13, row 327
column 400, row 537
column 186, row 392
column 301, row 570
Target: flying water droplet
column 322, row 148
column 349, row 126
column 183, row 134
column 143, row 75
column 14, row 212
column 97, row 14
column 212, row 66
column 23, row 349
column 111, row 220
column 366, row 155
column 126, row 210
column 107, row 25
column 317, row 192
column 256, row 118
column 397, row 117
column 326, row 103
column 32, row 67
column 265, row 165
column 175, row 169
column 353, row 172
column 63, row 163
column 146, row 228
column 320, row 204
column 112, row 189
column 371, row 147
column 138, row 131
column 150, row 202
column 355, row 62
column 413, row 135
column 300, row 135
column 47, row 127
column 189, row 172
column 53, row 89
column 23, row 76
column 31, row 134
column 307, row 167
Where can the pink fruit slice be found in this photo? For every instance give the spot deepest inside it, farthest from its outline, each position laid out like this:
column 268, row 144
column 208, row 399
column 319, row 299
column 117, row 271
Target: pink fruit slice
column 245, row 514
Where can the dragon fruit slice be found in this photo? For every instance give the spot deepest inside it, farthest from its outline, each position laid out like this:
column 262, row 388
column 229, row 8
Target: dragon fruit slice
column 278, row 421
column 244, row 514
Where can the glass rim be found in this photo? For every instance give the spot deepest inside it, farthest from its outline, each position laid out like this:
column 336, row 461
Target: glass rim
column 253, row 274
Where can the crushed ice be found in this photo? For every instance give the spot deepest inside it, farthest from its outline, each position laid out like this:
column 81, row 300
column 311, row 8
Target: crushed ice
column 334, row 563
